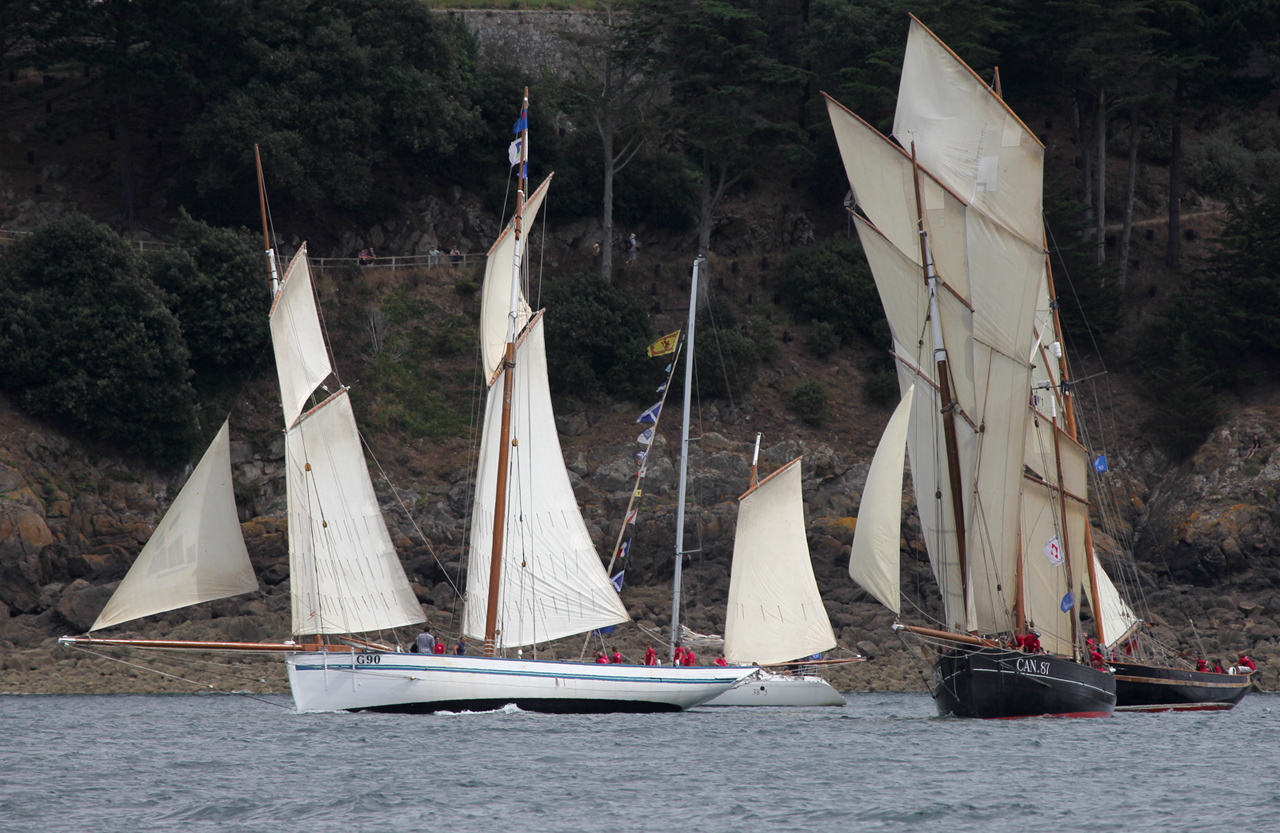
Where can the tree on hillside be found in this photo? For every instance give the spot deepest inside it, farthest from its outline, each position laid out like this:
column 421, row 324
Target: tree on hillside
column 611, row 89
column 217, row 288
column 731, row 102
column 86, row 339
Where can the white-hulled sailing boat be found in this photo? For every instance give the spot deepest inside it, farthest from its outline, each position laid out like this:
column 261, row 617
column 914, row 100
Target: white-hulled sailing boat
column 953, row 233
column 346, row 578
column 775, row 617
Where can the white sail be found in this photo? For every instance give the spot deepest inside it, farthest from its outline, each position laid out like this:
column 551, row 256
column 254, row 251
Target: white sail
column 196, row 553
column 967, row 137
column 875, row 556
column 500, row 270
column 1048, row 543
column 345, row 575
column 302, row 360
column 1118, row 619
column 775, row 613
column 553, row 584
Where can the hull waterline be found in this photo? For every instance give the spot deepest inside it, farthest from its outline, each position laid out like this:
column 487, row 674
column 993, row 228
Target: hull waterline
column 1154, row 688
column 421, row 683
column 997, row 683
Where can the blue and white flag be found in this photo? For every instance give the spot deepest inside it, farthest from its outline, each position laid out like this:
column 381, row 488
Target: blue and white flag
column 663, row 387
column 1100, row 464
column 1068, row 602
column 616, row 581
column 651, row 413
column 522, row 123
column 624, row 549
column 513, row 152
column 640, row 455
column 646, row 436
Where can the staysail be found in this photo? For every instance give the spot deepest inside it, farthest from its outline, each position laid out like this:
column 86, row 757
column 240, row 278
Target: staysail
column 874, row 558
column 196, row 553
column 775, row 613
column 1118, row 619
column 553, row 584
column 500, row 269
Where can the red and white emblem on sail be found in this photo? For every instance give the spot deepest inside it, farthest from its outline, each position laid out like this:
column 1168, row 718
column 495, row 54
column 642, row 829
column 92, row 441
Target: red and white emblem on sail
column 1053, row 551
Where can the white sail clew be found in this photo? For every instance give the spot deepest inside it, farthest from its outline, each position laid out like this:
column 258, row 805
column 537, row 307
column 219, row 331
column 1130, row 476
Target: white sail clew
column 553, row 584
column 1118, row 619
column 875, row 555
column 302, row 360
column 495, row 295
column 344, row 573
column 775, row 613
column 195, row 555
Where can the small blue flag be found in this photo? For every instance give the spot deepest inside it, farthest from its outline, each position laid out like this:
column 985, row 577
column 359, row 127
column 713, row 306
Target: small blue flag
column 651, row 413
column 603, row 631
column 666, row 369
column 522, row 123
column 663, row 387
column 1068, row 602
column 1100, row 464
column 624, row 549
column 640, row 455
column 646, row 436
column 616, row 581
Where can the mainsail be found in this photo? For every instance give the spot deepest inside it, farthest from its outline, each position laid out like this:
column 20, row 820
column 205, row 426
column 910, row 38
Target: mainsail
column 552, row 583
column 196, row 553
column 874, row 561
column 500, row 270
column 775, row 613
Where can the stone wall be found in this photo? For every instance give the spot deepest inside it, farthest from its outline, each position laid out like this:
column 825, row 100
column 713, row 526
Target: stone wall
column 524, row 40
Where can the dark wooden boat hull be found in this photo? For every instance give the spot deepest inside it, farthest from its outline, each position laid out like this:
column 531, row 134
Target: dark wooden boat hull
column 995, row 683
column 1154, row 688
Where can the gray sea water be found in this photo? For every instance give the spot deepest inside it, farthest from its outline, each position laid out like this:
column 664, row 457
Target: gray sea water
column 883, row 762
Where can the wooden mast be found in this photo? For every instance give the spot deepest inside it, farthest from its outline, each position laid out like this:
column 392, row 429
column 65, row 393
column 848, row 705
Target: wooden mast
column 266, row 235
column 508, row 379
column 948, row 410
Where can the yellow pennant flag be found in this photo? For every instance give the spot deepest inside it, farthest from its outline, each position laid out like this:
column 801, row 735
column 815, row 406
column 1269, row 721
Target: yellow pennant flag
column 664, row 345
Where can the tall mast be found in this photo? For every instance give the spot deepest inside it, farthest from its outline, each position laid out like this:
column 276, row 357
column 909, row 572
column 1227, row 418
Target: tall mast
column 755, row 458
column 508, row 379
column 944, row 391
column 684, row 455
column 266, row 236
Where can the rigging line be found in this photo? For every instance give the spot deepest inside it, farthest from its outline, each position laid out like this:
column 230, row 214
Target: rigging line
column 412, row 520
column 715, row 331
column 505, row 196
column 476, row 426
column 542, row 248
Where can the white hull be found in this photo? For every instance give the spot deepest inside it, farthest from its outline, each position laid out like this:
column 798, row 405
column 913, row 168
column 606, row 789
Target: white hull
column 780, row 690
column 401, row 682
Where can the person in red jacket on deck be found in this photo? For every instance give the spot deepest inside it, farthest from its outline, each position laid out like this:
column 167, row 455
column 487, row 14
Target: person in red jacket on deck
column 1201, row 665
column 1245, row 662
column 722, row 662
column 689, row 658
column 1095, row 658
column 650, row 655
column 439, row 649
column 678, row 659
column 617, row 658
column 601, row 659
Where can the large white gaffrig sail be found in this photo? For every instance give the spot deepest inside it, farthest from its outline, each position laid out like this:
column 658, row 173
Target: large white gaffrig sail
column 775, row 612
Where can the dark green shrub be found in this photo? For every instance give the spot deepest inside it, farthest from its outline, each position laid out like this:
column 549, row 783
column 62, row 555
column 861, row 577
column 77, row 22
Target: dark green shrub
column 821, row 339
column 86, row 339
column 831, row 283
column 767, row 347
column 809, row 401
column 881, row 387
column 596, row 340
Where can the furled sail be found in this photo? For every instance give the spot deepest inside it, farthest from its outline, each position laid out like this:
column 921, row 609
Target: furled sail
column 553, row 584
column 775, row 613
column 345, row 575
column 302, row 360
column 500, row 270
column 875, row 556
column 196, row 553
column 1118, row 619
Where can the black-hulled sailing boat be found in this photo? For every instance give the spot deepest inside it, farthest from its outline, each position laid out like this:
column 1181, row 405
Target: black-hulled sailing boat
column 952, row 231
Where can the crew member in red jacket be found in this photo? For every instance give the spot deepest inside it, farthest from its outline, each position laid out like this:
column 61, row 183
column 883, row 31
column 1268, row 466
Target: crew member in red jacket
column 439, row 649
column 678, row 659
column 650, row 655
column 689, row 658
column 1245, row 662
column 601, row 659
column 617, row 658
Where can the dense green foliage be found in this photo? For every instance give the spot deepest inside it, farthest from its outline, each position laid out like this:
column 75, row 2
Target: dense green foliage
column 216, row 280
column 596, row 341
column 86, row 340
column 831, row 283
column 725, row 358
column 810, row 402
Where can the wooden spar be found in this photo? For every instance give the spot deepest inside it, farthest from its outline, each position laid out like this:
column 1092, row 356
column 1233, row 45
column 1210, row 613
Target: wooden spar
column 950, row 636
column 1068, row 405
column 755, row 459
column 504, row 431
column 185, row 645
column 266, row 235
column 1019, row 598
column 1066, row 544
column 995, row 84
column 944, row 392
